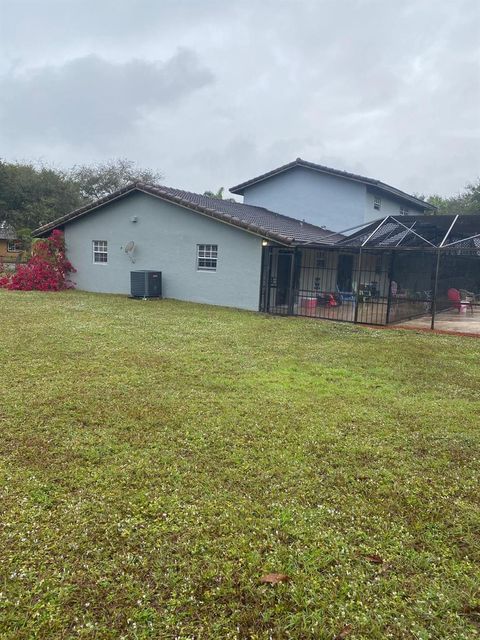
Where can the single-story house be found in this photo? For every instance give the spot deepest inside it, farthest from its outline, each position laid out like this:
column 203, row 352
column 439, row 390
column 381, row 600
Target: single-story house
column 208, row 250
column 11, row 248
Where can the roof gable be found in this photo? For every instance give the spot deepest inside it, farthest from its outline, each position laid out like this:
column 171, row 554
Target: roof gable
column 371, row 182
column 256, row 220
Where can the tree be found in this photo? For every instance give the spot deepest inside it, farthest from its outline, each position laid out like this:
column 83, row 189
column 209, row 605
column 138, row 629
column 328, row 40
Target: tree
column 100, row 180
column 467, row 202
column 218, row 195
column 31, row 196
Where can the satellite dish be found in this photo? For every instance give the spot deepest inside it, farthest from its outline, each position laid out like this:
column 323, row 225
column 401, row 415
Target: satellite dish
column 129, row 249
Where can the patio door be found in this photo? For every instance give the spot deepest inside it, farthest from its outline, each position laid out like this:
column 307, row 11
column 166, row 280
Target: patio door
column 345, row 272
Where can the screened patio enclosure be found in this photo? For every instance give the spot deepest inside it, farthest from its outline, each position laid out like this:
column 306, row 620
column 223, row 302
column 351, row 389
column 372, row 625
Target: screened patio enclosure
column 391, row 271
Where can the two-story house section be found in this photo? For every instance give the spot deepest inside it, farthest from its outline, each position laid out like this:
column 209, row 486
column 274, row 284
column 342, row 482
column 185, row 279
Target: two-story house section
column 327, row 197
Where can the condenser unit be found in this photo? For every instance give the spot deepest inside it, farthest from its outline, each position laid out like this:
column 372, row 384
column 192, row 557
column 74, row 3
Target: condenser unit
column 146, row 284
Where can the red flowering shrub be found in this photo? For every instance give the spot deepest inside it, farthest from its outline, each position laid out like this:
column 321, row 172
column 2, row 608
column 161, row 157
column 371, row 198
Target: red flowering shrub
column 47, row 270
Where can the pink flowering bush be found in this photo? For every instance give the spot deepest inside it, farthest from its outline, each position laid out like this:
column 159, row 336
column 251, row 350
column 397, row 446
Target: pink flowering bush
column 47, row 270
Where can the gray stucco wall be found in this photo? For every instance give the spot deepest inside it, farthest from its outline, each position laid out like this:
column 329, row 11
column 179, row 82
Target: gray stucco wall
column 389, row 207
column 318, row 198
column 166, row 238
column 321, row 199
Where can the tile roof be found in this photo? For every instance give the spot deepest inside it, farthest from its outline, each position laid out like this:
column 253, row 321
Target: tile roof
column 7, row 232
column 381, row 186
column 258, row 220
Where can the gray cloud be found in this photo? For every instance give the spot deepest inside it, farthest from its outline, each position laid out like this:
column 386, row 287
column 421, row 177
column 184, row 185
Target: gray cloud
column 91, row 100
column 388, row 89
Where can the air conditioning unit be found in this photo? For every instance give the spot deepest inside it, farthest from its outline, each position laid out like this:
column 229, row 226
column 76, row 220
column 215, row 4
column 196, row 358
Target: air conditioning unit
column 146, row 284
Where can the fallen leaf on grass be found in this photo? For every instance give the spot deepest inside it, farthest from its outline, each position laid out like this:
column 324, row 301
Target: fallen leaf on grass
column 347, row 630
column 274, row 578
column 374, row 559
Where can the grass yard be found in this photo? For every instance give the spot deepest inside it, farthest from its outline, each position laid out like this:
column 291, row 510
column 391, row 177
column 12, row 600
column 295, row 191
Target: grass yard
column 158, row 458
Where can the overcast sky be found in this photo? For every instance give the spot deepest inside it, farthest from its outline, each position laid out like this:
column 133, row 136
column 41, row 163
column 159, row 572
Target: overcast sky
column 213, row 92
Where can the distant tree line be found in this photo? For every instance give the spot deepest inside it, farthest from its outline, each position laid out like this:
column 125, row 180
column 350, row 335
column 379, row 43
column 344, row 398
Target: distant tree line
column 467, row 202
column 32, row 195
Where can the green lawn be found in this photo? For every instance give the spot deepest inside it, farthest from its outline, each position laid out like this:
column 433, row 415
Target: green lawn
column 157, row 458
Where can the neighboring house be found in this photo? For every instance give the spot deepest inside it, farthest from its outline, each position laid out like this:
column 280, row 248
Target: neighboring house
column 208, row 250
column 11, row 248
column 324, row 196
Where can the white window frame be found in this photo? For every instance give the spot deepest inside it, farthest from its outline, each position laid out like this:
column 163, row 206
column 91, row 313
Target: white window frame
column 377, row 203
column 97, row 251
column 404, row 211
column 207, row 252
column 16, row 244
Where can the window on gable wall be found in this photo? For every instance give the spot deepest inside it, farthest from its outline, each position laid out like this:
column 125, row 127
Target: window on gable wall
column 403, row 211
column 377, row 203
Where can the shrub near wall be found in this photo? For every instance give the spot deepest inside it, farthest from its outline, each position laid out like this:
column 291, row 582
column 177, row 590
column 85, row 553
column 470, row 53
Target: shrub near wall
column 47, row 270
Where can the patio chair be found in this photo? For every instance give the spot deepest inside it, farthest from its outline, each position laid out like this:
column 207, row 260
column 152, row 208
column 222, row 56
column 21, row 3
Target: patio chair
column 468, row 295
column 328, row 299
column 346, row 296
column 458, row 302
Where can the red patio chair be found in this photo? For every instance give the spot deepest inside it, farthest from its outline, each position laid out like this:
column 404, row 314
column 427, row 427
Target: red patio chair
column 455, row 297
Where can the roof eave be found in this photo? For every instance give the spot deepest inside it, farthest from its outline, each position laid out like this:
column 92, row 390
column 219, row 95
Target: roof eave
column 145, row 188
column 239, row 188
column 401, row 195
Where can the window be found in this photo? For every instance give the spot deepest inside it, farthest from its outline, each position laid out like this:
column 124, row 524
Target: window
column 14, row 246
column 100, row 252
column 403, row 211
column 207, row 257
column 377, row 203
